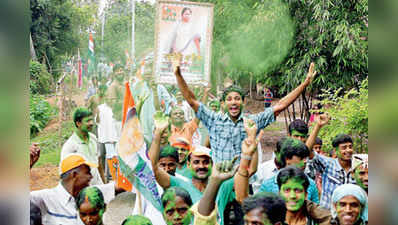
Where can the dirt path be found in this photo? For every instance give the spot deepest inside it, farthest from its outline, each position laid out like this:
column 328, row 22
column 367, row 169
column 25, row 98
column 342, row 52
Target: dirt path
column 44, row 177
column 48, row 176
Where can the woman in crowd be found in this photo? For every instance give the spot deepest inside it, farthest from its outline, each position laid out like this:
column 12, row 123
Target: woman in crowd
column 91, row 206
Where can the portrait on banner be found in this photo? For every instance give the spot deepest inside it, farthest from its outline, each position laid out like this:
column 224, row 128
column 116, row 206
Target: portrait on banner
column 183, row 30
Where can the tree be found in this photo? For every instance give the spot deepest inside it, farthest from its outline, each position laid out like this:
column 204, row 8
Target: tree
column 57, row 28
column 117, row 33
column 349, row 115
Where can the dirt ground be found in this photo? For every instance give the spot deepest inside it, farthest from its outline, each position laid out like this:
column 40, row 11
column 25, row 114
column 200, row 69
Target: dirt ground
column 48, row 176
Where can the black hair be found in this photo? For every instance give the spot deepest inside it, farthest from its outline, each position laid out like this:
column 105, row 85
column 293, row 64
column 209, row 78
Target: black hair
column 233, row 88
column 80, row 113
column 279, row 144
column 273, row 206
column 185, row 9
column 168, row 151
column 298, row 125
column 95, row 197
column 292, row 172
column 318, row 141
column 176, row 191
column 293, row 147
column 340, row 139
column 35, row 214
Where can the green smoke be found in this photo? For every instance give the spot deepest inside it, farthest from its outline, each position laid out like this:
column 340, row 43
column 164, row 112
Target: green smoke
column 259, row 45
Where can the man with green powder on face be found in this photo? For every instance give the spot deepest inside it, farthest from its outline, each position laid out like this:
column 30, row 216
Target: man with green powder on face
column 349, row 205
column 226, row 130
column 293, row 185
column 360, row 166
column 199, row 162
column 293, row 153
column 84, row 142
column 335, row 171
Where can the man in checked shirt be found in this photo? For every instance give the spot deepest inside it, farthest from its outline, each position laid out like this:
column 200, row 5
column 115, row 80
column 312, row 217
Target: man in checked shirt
column 226, row 130
column 335, row 171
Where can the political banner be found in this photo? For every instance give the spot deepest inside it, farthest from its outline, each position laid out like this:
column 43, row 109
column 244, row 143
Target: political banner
column 183, row 30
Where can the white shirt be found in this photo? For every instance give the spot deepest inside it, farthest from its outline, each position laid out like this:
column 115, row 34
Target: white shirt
column 106, row 126
column 58, row 207
column 265, row 171
column 89, row 151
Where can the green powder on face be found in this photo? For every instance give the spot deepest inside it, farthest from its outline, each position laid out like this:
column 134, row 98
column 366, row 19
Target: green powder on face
column 300, row 165
column 195, row 175
column 296, row 133
column 294, row 201
column 338, row 153
column 358, row 179
column 169, row 195
column 187, row 219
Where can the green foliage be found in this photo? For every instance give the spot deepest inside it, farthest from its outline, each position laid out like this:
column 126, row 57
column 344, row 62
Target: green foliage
column 40, row 80
column 50, row 144
column 349, row 115
column 334, row 35
column 117, row 33
column 57, row 28
column 40, row 113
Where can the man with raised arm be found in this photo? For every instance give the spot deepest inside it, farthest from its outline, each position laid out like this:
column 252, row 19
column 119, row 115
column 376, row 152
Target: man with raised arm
column 226, row 131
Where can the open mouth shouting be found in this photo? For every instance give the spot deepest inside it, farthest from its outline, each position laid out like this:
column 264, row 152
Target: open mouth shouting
column 234, row 110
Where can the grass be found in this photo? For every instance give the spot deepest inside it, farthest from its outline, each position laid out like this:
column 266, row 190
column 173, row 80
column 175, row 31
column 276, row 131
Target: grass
column 51, row 142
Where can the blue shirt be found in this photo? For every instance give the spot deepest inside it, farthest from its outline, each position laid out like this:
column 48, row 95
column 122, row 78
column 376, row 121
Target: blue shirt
column 333, row 175
column 226, row 136
column 271, row 185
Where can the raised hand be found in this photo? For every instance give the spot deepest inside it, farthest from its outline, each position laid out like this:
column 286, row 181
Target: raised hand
column 251, row 130
column 322, row 119
column 161, row 121
column 34, row 153
column 311, row 73
column 176, row 62
column 224, row 170
column 249, row 147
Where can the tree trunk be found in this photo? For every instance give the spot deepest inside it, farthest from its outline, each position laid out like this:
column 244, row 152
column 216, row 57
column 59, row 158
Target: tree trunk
column 286, row 124
column 251, row 80
column 32, row 49
column 301, row 108
column 294, row 111
column 306, row 106
column 288, row 113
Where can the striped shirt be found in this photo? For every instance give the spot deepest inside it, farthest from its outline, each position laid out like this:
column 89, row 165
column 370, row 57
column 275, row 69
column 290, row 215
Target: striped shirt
column 333, row 175
column 225, row 135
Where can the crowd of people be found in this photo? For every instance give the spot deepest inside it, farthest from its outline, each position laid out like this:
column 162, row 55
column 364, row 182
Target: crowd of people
column 205, row 159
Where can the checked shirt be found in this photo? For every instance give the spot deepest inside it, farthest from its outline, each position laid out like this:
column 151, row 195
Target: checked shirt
column 226, row 136
column 333, row 175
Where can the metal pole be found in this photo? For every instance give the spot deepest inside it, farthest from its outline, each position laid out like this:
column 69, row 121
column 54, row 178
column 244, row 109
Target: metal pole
column 132, row 34
column 102, row 29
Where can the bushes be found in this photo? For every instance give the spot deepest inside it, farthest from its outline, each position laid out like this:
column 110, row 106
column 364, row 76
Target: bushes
column 40, row 113
column 40, row 80
column 349, row 115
